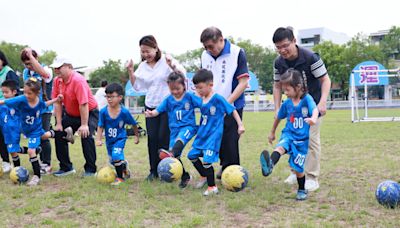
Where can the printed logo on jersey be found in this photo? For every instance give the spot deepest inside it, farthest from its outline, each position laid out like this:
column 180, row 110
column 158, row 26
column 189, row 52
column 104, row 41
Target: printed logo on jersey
column 304, row 111
column 213, row 109
column 187, row 106
column 121, row 124
column 37, row 114
column 12, row 111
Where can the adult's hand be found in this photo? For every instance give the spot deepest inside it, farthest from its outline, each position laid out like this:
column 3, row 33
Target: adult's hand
column 84, row 131
column 322, row 107
column 58, row 127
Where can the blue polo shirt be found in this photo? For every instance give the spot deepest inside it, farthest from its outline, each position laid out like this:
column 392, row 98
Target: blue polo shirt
column 309, row 64
column 240, row 71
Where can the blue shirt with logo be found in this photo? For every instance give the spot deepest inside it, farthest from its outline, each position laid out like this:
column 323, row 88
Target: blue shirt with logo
column 10, row 124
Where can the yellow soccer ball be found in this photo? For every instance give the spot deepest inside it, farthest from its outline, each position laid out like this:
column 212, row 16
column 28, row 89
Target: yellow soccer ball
column 19, row 175
column 234, row 178
column 106, row 175
column 170, row 169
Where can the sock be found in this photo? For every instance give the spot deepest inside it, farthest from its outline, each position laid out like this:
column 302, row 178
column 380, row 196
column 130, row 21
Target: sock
column 24, row 150
column 119, row 168
column 35, row 166
column 199, row 167
column 177, row 148
column 210, row 176
column 301, row 181
column 275, row 157
column 52, row 133
column 185, row 174
column 16, row 161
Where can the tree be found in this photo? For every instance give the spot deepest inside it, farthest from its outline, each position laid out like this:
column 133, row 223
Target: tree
column 390, row 45
column 191, row 60
column 47, row 57
column 13, row 54
column 112, row 71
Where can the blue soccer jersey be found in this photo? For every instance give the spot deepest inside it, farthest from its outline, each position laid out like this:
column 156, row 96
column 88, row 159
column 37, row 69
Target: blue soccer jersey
column 30, row 117
column 180, row 113
column 295, row 115
column 10, row 124
column 115, row 128
column 209, row 134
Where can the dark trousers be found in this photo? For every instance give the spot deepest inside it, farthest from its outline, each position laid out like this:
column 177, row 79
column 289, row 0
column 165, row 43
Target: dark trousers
column 157, row 137
column 88, row 146
column 3, row 148
column 229, row 151
column 45, row 155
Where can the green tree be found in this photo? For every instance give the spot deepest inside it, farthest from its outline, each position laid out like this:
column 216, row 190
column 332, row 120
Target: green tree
column 13, row 54
column 47, row 57
column 390, row 45
column 112, row 71
column 191, row 60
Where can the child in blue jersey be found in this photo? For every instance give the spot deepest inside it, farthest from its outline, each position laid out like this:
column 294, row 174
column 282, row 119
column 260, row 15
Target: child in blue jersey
column 180, row 106
column 30, row 107
column 300, row 111
column 209, row 135
column 113, row 119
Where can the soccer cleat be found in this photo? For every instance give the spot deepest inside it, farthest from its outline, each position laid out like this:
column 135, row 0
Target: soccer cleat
column 311, row 185
column 185, row 181
column 45, row 169
column 211, row 191
column 162, row 153
column 70, row 135
column 266, row 163
column 34, row 181
column 126, row 174
column 291, row 179
column 117, row 181
column 6, row 167
column 302, row 195
column 62, row 173
column 201, row 182
column 219, row 174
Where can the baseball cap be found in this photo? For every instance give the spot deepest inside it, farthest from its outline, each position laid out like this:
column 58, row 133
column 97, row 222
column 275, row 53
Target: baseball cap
column 59, row 61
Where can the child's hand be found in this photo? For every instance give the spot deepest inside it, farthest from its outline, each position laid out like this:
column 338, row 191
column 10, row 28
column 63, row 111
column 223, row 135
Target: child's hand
column 99, row 143
column 310, row 121
column 136, row 139
column 271, row 138
column 241, row 129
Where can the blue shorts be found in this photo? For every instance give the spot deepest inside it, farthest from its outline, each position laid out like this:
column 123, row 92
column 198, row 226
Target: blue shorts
column 209, row 156
column 184, row 134
column 33, row 142
column 297, row 151
column 13, row 148
column 116, row 150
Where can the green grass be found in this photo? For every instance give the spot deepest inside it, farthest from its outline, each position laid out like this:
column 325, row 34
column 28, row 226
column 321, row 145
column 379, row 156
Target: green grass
column 355, row 159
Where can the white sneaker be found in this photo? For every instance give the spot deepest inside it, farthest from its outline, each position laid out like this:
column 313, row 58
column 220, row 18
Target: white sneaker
column 201, row 182
column 211, row 191
column 311, row 185
column 34, row 181
column 291, row 179
column 45, row 169
column 6, row 167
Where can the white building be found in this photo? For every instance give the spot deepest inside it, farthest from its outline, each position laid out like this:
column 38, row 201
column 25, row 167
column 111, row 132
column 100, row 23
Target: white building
column 308, row 38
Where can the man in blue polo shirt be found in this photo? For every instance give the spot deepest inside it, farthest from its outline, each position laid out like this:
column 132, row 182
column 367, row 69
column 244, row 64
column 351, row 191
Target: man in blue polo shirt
column 318, row 85
column 228, row 64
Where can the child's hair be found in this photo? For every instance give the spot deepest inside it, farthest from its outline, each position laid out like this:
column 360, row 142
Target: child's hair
column 294, row 78
column 34, row 85
column 25, row 57
column 104, row 83
column 177, row 77
column 202, row 75
column 11, row 84
column 115, row 87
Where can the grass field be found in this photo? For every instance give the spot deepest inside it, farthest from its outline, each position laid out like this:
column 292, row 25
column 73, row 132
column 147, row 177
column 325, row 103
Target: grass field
column 355, row 159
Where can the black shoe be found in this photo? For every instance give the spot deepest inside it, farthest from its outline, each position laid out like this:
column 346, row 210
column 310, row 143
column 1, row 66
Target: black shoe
column 151, row 177
column 185, row 181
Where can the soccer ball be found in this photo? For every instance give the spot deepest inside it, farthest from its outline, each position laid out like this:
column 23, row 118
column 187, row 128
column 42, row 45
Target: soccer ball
column 388, row 193
column 19, row 175
column 170, row 169
column 106, row 175
column 234, row 178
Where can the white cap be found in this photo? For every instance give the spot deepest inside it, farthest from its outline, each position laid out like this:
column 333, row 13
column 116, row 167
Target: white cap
column 59, row 61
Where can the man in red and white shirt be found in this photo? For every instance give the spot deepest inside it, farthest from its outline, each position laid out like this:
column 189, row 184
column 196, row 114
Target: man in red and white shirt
column 78, row 110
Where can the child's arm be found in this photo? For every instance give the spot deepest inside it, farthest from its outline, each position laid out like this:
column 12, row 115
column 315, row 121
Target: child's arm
column 136, row 131
column 99, row 136
column 271, row 136
column 54, row 100
column 313, row 119
column 152, row 113
column 239, row 122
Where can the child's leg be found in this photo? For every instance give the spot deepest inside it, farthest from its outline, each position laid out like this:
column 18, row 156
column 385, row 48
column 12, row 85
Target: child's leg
column 194, row 156
column 15, row 159
column 301, row 179
column 33, row 143
column 276, row 155
column 209, row 171
column 118, row 158
column 120, row 166
column 177, row 151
